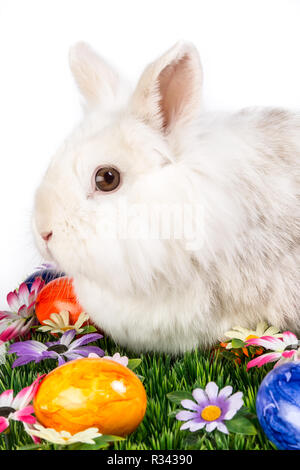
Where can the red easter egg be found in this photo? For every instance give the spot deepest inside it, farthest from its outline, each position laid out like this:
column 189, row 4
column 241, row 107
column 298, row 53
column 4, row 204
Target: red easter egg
column 56, row 296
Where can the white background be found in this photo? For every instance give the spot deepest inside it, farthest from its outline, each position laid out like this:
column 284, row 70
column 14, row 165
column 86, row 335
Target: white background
column 250, row 51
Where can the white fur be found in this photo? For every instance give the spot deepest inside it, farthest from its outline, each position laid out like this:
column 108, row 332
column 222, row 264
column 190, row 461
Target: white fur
column 242, row 168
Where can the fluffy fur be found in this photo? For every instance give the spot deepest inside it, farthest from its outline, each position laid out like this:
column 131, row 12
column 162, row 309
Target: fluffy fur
column 243, row 169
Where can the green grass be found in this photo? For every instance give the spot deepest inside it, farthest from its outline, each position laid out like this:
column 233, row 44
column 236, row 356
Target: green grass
column 162, row 375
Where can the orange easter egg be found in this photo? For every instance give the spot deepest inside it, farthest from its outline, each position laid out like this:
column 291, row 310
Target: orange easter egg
column 91, row 392
column 56, row 296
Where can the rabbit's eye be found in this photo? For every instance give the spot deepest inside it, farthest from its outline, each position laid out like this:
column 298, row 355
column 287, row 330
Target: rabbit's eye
column 107, row 179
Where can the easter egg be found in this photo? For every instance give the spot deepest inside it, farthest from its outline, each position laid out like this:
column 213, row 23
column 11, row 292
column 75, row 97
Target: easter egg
column 91, row 392
column 46, row 274
column 56, row 296
column 278, row 406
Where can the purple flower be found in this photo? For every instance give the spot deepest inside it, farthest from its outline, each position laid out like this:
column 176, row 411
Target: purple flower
column 21, row 317
column 210, row 409
column 65, row 349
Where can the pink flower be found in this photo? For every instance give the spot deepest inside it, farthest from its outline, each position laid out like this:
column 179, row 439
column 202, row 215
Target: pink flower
column 123, row 360
column 20, row 318
column 277, row 345
column 18, row 408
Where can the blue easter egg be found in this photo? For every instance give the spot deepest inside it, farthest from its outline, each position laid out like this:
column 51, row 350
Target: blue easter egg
column 278, row 406
column 46, row 274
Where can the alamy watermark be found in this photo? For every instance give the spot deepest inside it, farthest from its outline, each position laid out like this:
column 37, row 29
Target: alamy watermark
column 152, row 221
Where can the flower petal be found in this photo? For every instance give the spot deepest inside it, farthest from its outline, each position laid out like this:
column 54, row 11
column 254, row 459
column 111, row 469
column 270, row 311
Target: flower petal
column 123, row 360
column 81, row 319
column 62, row 437
column 55, row 320
column 24, row 415
column 13, row 301
column 37, row 285
column 27, row 347
column 67, row 337
column 264, row 359
column 267, row 342
column 65, row 317
column 186, row 425
column 271, row 331
column 72, row 356
column 261, row 328
column 8, row 316
column 189, row 404
column 185, row 415
column 246, row 331
column 6, row 398
column 222, row 428
column 50, row 323
column 200, row 396
column 28, row 428
column 196, row 426
column 235, row 335
column 229, row 414
column 85, row 339
column 14, row 330
column 289, row 338
column 211, row 426
column 23, row 294
column 46, row 433
column 226, row 391
column 23, row 312
column 86, row 350
column 20, row 361
column 24, row 397
column 61, row 360
column 4, row 424
column 211, row 390
column 44, row 329
column 289, row 353
column 235, row 402
column 86, row 436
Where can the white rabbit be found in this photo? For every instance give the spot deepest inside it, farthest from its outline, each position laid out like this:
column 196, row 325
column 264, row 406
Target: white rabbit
column 157, row 145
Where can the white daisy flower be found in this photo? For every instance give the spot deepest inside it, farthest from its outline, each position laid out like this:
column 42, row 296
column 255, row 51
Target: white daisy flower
column 244, row 334
column 63, row 437
column 60, row 322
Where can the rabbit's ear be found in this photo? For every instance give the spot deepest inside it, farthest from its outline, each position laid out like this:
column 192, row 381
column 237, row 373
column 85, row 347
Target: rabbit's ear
column 169, row 91
column 97, row 81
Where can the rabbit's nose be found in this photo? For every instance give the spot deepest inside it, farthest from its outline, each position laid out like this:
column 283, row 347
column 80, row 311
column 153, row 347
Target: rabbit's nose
column 46, row 236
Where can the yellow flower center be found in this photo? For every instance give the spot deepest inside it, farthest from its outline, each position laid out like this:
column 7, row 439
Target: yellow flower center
column 211, row 413
column 251, row 337
column 67, row 328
